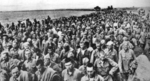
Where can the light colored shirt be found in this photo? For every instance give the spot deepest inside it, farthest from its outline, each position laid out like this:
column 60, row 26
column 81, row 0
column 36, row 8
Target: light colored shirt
column 76, row 75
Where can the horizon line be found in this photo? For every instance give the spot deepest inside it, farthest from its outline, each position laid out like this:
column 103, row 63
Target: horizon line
column 63, row 9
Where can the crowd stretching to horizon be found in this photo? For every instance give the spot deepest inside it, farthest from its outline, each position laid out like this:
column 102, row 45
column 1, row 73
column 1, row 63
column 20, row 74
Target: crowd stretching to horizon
column 108, row 46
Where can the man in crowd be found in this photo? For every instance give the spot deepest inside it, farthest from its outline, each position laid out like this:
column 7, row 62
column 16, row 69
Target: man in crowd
column 19, row 75
column 46, row 74
column 71, row 73
column 126, row 57
column 91, row 75
column 106, row 67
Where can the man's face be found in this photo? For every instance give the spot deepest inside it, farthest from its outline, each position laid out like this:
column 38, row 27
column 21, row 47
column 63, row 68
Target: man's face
column 15, row 72
column 28, row 54
column 39, row 67
column 98, row 46
column 73, row 36
column 81, row 45
column 50, row 51
column 14, row 45
column 126, row 47
column 4, row 37
column 68, row 66
column 90, row 71
column 46, row 62
column 26, row 46
column 4, row 56
column 50, row 39
column 102, row 56
column 109, row 46
column 59, row 45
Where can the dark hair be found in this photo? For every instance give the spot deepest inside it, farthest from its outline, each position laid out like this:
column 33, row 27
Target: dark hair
column 89, row 65
column 68, row 60
column 86, row 44
column 19, row 66
column 40, row 62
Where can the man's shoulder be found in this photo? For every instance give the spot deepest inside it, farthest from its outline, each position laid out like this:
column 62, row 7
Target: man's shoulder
column 100, row 77
column 24, row 73
column 50, row 70
column 64, row 71
column 77, row 71
column 57, row 55
column 131, row 50
column 84, row 78
column 121, row 51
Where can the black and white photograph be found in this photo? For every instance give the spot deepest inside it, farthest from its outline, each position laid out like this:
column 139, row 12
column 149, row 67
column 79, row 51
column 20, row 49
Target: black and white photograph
column 74, row 40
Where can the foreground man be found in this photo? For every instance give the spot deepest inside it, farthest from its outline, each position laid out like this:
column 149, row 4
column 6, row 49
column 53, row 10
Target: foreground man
column 3, row 75
column 106, row 67
column 46, row 74
column 30, row 63
column 126, row 59
column 49, row 63
column 91, row 74
column 19, row 75
column 71, row 73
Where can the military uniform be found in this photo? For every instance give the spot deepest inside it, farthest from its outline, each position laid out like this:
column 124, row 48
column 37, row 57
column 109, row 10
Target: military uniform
column 96, row 78
column 125, row 61
column 75, row 76
column 106, row 68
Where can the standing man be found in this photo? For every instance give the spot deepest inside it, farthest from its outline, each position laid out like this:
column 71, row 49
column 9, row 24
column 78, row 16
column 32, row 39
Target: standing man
column 49, row 63
column 46, row 74
column 106, row 67
column 98, row 52
column 71, row 73
column 83, row 52
column 91, row 74
column 126, row 59
column 19, row 75
column 30, row 64
column 110, row 52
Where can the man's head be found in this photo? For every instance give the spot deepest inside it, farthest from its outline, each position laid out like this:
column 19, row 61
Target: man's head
column 4, row 55
column 28, row 54
column 82, row 45
column 98, row 44
column 15, row 72
column 109, row 44
column 126, row 46
column 14, row 44
column 29, row 40
column 5, row 36
column 66, row 47
column 40, row 65
column 26, row 45
column 69, row 64
column 85, row 61
column 90, row 69
column 50, row 39
column 50, row 49
column 46, row 60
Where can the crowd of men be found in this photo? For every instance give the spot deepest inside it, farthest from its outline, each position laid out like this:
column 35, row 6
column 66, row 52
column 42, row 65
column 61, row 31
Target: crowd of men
column 94, row 47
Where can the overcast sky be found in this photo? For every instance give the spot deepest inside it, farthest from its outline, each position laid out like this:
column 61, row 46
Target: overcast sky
column 8, row 5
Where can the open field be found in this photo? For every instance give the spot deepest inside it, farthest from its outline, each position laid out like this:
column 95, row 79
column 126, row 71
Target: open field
column 14, row 16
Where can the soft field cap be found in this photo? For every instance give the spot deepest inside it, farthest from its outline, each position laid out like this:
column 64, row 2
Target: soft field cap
column 102, row 41
column 109, row 43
